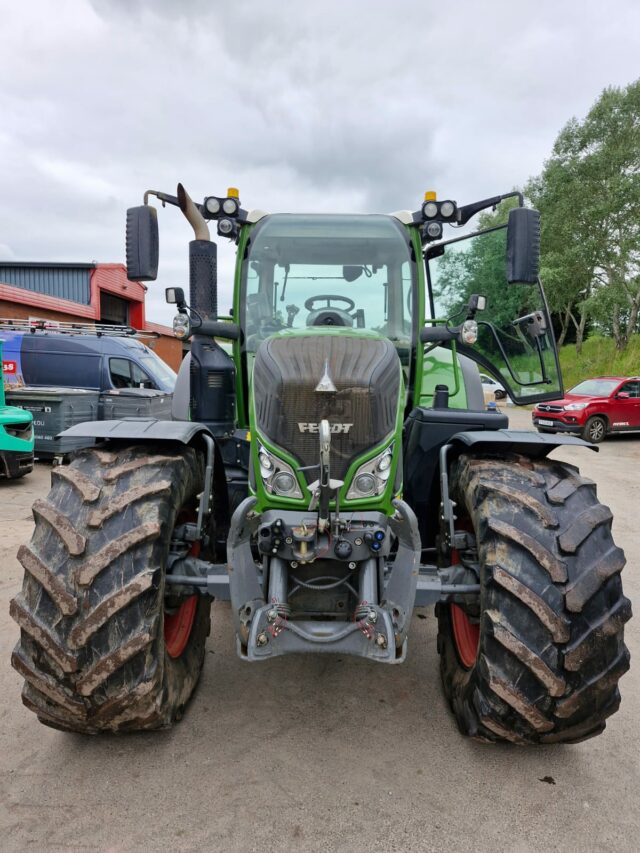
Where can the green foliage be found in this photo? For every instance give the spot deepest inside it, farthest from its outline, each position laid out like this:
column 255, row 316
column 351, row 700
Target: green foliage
column 599, row 357
column 589, row 198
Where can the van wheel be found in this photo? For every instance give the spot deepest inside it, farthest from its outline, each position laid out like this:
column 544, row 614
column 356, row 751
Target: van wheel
column 101, row 646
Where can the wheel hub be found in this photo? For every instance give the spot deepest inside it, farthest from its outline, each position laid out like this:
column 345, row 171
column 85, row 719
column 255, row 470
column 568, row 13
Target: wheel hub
column 466, row 635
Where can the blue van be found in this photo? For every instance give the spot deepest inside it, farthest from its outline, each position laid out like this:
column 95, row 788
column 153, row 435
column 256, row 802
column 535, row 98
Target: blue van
column 100, row 362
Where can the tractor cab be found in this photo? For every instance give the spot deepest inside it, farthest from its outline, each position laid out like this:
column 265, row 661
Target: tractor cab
column 332, row 271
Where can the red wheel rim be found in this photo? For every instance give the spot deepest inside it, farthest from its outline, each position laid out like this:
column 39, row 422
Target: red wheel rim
column 466, row 636
column 178, row 626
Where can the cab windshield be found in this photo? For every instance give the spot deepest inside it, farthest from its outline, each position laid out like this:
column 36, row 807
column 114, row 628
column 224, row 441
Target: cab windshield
column 344, row 271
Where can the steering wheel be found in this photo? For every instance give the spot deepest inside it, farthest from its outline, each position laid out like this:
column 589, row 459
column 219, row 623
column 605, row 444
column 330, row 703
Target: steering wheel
column 329, row 297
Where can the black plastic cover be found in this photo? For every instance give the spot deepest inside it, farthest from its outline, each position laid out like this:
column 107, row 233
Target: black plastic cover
column 142, row 243
column 523, row 246
column 425, row 432
column 203, row 278
column 212, row 384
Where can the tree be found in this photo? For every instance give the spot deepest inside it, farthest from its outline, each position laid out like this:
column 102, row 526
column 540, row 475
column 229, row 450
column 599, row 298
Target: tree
column 589, row 198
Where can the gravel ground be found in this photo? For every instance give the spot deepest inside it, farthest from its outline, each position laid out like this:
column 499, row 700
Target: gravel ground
column 322, row 753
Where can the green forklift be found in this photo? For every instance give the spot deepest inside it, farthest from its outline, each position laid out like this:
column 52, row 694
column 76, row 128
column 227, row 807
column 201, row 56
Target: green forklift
column 330, row 466
column 16, row 433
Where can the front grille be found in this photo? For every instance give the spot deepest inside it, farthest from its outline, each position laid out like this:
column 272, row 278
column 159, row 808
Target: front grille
column 545, row 408
column 362, row 411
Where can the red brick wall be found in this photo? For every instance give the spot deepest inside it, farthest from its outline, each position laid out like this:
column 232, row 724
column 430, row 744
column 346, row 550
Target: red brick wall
column 168, row 348
column 15, row 311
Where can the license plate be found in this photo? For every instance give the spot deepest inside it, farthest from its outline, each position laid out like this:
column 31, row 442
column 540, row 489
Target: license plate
column 543, row 422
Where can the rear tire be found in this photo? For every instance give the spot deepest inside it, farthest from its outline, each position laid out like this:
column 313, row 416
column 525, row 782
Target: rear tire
column 550, row 647
column 92, row 648
column 595, row 430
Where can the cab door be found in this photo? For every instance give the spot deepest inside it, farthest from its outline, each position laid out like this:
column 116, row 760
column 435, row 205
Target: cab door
column 627, row 409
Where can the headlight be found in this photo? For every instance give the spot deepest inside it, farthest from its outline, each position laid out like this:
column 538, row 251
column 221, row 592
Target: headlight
column 22, row 431
column 278, row 477
column 371, row 478
column 181, row 326
column 574, row 407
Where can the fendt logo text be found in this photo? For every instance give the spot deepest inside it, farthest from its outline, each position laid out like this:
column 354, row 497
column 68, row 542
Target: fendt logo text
column 344, row 428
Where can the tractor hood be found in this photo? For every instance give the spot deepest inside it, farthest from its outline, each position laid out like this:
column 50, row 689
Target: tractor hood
column 350, row 378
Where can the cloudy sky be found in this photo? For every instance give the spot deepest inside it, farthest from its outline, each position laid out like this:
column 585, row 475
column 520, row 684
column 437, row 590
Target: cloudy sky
column 339, row 105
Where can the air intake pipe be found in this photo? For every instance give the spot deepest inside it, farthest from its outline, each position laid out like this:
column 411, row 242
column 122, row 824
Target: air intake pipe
column 203, row 260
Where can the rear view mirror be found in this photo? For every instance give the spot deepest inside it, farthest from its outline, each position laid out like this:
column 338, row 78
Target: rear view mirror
column 174, row 296
column 142, row 243
column 523, row 246
column 350, row 273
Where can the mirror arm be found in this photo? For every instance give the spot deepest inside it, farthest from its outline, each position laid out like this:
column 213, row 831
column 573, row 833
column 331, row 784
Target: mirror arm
column 465, row 213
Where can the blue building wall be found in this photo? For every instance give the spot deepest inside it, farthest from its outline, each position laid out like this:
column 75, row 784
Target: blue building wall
column 63, row 281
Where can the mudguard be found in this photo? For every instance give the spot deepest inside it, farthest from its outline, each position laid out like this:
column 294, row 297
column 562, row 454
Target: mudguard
column 532, row 444
column 138, row 429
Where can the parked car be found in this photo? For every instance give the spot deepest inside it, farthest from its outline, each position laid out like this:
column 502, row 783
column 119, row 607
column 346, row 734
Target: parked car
column 593, row 409
column 101, row 362
column 491, row 389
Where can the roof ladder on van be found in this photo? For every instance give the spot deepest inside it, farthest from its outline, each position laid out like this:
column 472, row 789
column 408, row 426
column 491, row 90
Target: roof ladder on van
column 97, row 329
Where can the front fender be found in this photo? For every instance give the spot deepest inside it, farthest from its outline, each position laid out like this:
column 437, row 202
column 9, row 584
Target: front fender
column 138, row 429
column 529, row 443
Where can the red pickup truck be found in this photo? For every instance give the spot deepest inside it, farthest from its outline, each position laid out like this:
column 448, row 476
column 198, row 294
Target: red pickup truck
column 594, row 409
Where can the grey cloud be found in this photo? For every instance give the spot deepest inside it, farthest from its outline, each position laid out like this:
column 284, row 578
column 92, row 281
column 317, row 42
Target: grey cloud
column 333, row 106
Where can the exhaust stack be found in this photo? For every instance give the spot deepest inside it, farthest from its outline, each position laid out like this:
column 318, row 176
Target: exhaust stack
column 203, row 260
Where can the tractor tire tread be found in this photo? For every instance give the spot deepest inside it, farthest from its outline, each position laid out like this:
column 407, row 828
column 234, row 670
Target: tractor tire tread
column 552, row 610
column 91, row 609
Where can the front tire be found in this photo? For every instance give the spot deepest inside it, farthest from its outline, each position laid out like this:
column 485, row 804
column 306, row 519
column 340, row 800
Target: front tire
column 97, row 650
column 595, row 430
column 549, row 647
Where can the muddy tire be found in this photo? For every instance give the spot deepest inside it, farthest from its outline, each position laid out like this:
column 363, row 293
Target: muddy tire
column 92, row 646
column 595, row 430
column 539, row 659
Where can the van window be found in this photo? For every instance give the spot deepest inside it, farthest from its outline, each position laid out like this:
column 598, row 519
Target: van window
column 140, row 378
column 120, row 373
column 48, row 366
column 127, row 374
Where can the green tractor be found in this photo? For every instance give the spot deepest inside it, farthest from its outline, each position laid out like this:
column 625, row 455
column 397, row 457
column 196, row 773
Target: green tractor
column 16, row 434
column 330, row 466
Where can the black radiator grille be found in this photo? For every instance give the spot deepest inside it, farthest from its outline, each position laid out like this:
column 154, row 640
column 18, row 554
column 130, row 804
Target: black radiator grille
column 362, row 410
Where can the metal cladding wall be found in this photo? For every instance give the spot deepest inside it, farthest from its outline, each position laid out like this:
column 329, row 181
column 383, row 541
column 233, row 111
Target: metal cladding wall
column 63, row 281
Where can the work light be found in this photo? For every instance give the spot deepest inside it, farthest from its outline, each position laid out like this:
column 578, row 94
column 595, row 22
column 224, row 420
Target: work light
column 447, row 209
column 225, row 227
column 230, row 206
column 212, row 205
